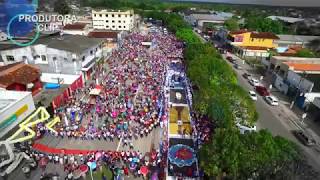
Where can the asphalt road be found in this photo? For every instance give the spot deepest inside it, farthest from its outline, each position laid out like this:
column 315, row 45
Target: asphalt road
column 276, row 119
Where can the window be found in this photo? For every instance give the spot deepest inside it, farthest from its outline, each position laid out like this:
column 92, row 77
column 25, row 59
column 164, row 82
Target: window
column 113, row 26
column 119, row 15
column 10, row 58
column 119, row 21
column 65, row 59
column 252, row 39
column 24, row 58
column 95, row 15
column 44, row 58
column 124, row 26
column 107, row 21
column 36, row 57
column 54, row 58
column 125, row 15
column 124, row 21
column 91, row 52
column 112, row 21
column 83, row 58
column 100, row 15
column 107, row 26
column 119, row 26
column 74, row 60
column 130, row 15
column 112, row 15
column 106, row 15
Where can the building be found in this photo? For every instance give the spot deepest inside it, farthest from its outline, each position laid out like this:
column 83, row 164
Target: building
column 286, row 41
column 58, row 57
column 252, row 44
column 15, row 106
column 287, row 20
column 110, row 39
column 20, row 77
column 295, row 74
column 113, row 20
column 76, row 29
column 198, row 20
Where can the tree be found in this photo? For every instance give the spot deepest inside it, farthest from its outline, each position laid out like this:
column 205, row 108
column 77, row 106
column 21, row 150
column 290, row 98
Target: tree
column 305, row 53
column 231, row 24
column 262, row 24
column 62, row 7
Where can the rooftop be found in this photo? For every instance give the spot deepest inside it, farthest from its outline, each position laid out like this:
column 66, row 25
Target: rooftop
column 210, row 17
column 286, row 19
column 303, row 67
column 18, row 73
column 7, row 98
column 71, row 43
column 103, row 34
column 75, row 26
column 296, row 38
column 263, row 35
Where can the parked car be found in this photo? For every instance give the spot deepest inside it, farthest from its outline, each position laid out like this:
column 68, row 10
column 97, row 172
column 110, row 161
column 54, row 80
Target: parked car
column 237, row 66
column 263, row 91
column 247, row 76
column 254, row 82
column 253, row 95
column 304, row 138
column 272, row 100
column 229, row 58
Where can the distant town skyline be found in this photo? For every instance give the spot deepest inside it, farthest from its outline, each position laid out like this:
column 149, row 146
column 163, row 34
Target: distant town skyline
column 299, row 3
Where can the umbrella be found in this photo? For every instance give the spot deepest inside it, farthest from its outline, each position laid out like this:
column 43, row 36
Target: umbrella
column 98, row 155
column 84, row 168
column 144, row 170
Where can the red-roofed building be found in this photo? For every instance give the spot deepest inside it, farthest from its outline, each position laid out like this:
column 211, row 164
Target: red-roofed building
column 20, row 77
column 110, row 38
column 76, row 29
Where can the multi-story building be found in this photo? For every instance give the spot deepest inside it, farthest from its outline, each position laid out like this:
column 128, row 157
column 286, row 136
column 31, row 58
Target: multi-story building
column 58, row 57
column 113, row 20
column 252, row 44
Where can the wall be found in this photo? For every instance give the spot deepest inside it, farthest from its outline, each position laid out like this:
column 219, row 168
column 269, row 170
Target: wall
column 17, row 54
column 280, row 85
column 52, row 78
column 245, row 40
column 26, row 99
column 294, row 79
column 104, row 22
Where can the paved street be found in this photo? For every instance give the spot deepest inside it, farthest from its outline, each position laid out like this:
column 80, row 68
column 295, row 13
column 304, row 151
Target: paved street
column 279, row 120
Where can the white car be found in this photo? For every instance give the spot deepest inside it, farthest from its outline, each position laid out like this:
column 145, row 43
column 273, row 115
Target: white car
column 272, row 100
column 253, row 95
column 254, row 82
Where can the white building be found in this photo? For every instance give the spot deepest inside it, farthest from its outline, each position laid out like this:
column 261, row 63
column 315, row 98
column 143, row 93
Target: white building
column 15, row 106
column 66, row 57
column 113, row 20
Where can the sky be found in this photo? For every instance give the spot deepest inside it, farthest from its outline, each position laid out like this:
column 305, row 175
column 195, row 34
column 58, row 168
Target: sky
column 300, row 3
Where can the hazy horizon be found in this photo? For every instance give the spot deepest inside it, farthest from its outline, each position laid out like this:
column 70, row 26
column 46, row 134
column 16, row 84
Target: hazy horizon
column 299, row 3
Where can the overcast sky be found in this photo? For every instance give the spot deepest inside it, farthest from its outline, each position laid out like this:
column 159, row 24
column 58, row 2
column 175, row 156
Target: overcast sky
column 311, row 3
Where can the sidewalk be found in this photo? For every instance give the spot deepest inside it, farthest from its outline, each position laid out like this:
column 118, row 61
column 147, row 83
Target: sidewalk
column 294, row 114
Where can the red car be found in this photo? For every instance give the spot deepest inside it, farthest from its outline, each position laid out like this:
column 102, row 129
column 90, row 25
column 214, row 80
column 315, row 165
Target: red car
column 263, row 91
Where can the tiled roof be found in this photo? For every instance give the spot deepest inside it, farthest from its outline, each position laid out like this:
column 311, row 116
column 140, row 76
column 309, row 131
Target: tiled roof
column 75, row 26
column 264, row 35
column 255, row 47
column 239, row 32
column 103, row 34
column 303, row 67
column 18, row 73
